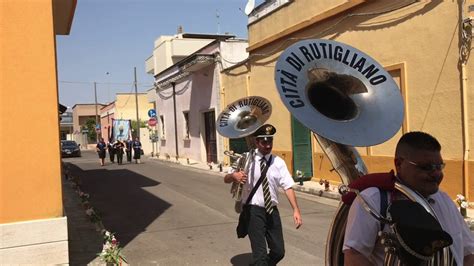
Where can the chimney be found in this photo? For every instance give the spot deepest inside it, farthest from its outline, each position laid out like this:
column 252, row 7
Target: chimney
column 180, row 29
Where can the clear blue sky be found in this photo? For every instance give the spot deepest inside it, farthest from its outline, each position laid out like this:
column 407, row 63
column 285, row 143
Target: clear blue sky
column 114, row 36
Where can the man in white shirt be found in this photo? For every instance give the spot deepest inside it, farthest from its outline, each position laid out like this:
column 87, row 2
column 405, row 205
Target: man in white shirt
column 264, row 227
column 419, row 166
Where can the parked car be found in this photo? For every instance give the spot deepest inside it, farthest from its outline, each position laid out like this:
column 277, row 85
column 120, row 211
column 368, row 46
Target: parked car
column 69, row 148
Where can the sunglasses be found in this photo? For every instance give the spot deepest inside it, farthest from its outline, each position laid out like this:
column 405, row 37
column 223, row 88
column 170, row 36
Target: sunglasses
column 429, row 167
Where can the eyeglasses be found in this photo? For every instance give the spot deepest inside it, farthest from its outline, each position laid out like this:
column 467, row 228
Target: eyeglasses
column 429, row 167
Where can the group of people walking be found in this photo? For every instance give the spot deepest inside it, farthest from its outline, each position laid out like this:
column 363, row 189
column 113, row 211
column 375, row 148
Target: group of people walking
column 118, row 148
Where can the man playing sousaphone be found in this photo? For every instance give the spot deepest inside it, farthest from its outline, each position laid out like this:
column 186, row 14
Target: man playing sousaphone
column 419, row 166
column 268, row 172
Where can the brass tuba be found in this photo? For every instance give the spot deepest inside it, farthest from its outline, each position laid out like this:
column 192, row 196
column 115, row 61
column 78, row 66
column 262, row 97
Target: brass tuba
column 346, row 99
column 241, row 119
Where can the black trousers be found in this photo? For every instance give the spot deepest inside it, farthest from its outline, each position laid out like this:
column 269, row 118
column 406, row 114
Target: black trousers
column 265, row 230
column 129, row 155
column 112, row 155
column 120, row 157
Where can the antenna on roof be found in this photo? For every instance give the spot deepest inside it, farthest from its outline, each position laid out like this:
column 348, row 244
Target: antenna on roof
column 249, row 7
column 218, row 23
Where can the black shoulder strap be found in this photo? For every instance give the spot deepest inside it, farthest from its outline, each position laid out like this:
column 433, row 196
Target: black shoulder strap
column 383, row 205
column 262, row 175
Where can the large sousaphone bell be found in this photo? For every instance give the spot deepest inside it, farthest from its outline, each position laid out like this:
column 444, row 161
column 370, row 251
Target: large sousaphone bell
column 339, row 92
column 243, row 117
column 347, row 99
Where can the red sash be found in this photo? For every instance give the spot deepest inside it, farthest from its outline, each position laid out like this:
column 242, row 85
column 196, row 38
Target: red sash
column 384, row 181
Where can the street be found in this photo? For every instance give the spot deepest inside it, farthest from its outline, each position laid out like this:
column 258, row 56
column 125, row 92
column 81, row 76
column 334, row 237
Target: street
column 168, row 214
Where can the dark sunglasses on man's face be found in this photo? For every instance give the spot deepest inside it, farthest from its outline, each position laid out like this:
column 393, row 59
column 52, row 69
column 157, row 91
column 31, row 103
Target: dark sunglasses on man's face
column 429, row 167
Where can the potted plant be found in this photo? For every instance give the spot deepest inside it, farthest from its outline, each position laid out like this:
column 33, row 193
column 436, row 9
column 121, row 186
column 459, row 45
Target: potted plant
column 463, row 204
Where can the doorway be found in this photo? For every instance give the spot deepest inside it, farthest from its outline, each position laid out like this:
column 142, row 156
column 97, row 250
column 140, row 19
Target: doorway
column 210, row 136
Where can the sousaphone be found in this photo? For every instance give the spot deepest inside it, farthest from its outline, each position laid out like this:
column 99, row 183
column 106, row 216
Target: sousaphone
column 347, row 99
column 240, row 119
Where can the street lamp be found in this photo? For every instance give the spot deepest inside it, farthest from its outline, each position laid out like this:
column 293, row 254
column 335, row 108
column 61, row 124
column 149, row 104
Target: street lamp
column 136, row 101
column 108, row 86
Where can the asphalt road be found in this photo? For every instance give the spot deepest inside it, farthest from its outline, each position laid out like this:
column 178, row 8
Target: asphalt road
column 168, row 214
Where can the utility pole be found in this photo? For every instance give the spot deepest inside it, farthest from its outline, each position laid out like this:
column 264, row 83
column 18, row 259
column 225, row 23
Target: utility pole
column 136, row 102
column 96, row 112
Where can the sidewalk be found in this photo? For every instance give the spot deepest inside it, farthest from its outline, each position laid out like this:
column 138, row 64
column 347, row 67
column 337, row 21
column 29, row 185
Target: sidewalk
column 84, row 240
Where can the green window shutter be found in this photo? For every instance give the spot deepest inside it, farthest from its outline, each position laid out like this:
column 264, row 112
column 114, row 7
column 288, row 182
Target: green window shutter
column 302, row 153
column 238, row 145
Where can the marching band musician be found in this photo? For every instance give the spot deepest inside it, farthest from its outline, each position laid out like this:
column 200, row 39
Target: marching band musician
column 128, row 149
column 419, row 166
column 118, row 147
column 264, row 224
column 100, row 148
column 137, row 149
column 110, row 148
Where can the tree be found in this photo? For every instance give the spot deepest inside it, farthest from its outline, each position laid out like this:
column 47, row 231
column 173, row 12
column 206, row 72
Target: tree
column 134, row 126
column 90, row 127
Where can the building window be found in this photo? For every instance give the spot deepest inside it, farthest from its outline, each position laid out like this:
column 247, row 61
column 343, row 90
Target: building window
column 186, row 124
column 162, row 121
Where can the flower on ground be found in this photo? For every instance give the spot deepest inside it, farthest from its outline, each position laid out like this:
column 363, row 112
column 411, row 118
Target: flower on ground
column 93, row 215
column 111, row 251
column 463, row 204
column 299, row 173
column 84, row 196
column 461, row 201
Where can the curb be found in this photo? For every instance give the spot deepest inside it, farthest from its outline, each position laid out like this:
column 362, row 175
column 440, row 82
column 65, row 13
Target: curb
column 194, row 166
column 321, row 192
column 314, row 188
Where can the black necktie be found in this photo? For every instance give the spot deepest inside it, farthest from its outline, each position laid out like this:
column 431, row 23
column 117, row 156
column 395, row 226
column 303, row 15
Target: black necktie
column 266, row 189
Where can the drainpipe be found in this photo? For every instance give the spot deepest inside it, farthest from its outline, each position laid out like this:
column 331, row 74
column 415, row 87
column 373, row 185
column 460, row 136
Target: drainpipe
column 175, row 120
column 465, row 125
column 465, row 28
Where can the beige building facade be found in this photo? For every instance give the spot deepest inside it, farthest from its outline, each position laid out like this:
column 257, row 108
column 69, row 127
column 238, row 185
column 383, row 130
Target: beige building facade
column 168, row 50
column 125, row 107
column 80, row 114
column 418, row 42
column 107, row 113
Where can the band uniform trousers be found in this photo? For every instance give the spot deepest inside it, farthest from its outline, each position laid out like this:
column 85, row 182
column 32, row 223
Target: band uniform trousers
column 119, row 153
column 265, row 229
column 112, row 153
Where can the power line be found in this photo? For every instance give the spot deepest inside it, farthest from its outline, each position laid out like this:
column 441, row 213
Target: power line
column 106, row 83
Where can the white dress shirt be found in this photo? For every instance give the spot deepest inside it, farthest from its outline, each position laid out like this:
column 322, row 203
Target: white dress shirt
column 278, row 177
column 362, row 228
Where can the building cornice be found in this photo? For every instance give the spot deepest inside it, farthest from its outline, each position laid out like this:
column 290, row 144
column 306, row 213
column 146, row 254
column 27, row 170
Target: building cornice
column 185, row 67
